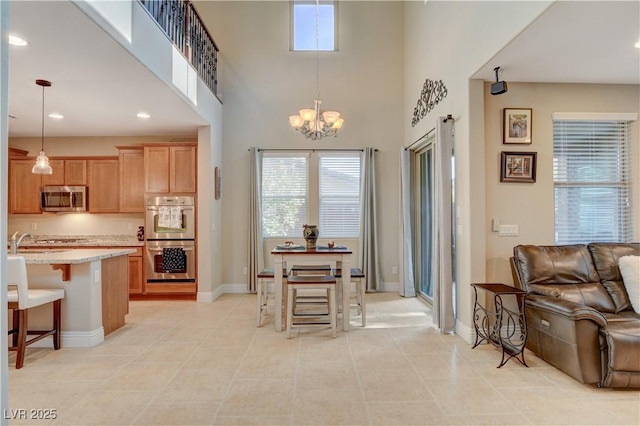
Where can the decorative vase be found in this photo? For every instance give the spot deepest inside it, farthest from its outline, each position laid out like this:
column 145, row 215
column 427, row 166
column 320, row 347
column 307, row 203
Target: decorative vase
column 310, row 234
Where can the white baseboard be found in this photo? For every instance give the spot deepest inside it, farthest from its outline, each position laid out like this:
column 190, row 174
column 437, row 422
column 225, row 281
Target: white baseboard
column 467, row 333
column 74, row 339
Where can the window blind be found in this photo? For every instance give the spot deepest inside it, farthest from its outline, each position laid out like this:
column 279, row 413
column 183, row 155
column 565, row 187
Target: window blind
column 339, row 195
column 592, row 180
column 285, row 199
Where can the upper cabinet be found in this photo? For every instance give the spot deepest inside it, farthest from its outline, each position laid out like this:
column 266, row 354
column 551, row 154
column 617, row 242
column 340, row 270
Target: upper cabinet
column 170, row 169
column 104, row 189
column 131, row 179
column 70, row 172
column 24, row 187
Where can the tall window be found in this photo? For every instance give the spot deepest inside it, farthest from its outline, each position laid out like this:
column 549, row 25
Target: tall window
column 303, row 25
column 592, row 178
column 316, row 188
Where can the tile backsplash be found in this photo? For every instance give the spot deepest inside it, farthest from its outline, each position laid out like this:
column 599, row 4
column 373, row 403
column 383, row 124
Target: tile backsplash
column 76, row 224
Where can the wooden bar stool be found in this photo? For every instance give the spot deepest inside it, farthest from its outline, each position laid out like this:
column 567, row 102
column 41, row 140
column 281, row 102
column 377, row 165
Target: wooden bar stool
column 357, row 276
column 319, row 282
column 262, row 292
column 24, row 298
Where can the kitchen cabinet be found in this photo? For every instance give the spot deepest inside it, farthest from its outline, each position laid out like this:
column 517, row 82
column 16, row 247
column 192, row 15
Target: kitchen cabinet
column 170, row 169
column 131, row 179
column 136, row 272
column 70, row 172
column 24, row 187
column 104, row 194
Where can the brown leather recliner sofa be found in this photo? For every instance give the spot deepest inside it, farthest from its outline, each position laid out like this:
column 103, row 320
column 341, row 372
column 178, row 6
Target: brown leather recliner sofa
column 579, row 317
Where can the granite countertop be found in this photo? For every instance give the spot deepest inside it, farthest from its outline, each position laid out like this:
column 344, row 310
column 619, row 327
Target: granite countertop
column 56, row 257
column 81, row 241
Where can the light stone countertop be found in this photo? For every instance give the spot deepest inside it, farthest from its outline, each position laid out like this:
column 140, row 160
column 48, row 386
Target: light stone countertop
column 61, row 256
column 37, row 241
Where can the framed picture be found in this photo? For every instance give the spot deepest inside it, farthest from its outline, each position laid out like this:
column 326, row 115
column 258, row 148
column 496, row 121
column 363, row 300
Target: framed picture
column 217, row 183
column 518, row 125
column 518, row 167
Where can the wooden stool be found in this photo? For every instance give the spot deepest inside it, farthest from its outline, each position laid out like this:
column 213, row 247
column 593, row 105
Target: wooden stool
column 319, row 282
column 357, row 276
column 262, row 291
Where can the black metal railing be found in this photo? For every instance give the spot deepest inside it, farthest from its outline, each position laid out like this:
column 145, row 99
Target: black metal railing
column 182, row 25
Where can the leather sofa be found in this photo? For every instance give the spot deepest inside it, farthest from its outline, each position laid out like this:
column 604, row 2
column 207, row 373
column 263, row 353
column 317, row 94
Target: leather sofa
column 579, row 317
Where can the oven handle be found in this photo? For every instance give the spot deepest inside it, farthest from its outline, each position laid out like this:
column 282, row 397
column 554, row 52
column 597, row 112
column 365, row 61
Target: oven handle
column 156, row 208
column 160, row 249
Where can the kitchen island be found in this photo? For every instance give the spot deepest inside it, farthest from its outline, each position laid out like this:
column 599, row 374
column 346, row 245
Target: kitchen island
column 96, row 291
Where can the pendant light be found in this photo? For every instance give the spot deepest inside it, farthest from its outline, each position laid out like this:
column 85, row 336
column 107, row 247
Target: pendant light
column 42, row 166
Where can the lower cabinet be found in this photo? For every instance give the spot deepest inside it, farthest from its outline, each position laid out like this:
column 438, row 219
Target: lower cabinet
column 136, row 272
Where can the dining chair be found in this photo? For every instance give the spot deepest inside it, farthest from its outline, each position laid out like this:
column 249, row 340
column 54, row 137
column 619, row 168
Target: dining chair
column 304, row 318
column 265, row 277
column 357, row 277
column 21, row 299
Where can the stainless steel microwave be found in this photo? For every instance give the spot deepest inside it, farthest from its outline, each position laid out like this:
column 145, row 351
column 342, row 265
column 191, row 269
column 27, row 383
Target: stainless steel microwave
column 63, row 198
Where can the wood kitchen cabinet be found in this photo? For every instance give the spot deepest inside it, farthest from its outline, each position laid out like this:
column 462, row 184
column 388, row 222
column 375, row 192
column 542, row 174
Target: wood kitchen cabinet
column 104, row 194
column 24, row 187
column 170, row 169
column 136, row 272
column 71, row 172
column 131, row 179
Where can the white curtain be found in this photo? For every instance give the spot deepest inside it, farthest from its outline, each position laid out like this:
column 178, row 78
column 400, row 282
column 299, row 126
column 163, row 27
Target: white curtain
column 256, row 254
column 368, row 223
column 407, row 281
column 443, row 310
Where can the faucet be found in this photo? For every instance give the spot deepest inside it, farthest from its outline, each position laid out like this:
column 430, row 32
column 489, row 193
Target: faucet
column 15, row 241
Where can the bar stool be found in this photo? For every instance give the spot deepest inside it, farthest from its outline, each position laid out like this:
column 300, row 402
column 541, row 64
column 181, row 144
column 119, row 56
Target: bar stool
column 319, row 282
column 24, row 298
column 357, row 276
column 262, row 292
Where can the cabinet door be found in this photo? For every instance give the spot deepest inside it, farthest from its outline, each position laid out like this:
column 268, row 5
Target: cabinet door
column 182, row 163
column 135, row 273
column 75, row 172
column 104, row 188
column 156, row 168
column 57, row 177
column 132, row 180
column 24, row 187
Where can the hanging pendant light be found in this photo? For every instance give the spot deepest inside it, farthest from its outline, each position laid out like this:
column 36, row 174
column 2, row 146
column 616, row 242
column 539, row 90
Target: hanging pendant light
column 311, row 122
column 42, row 166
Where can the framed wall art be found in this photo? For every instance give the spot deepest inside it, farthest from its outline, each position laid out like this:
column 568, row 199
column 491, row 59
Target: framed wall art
column 518, row 125
column 518, row 167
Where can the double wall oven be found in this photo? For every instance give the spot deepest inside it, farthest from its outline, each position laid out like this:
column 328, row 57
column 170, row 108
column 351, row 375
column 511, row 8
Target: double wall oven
column 170, row 239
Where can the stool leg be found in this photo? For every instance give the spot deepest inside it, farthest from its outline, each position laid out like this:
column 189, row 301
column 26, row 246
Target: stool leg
column 16, row 328
column 22, row 337
column 56, row 323
column 362, row 304
column 259, row 302
column 290, row 308
column 332, row 310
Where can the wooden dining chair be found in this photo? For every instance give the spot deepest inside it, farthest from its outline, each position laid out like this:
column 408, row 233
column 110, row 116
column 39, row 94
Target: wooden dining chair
column 305, row 318
column 357, row 277
column 265, row 277
column 21, row 299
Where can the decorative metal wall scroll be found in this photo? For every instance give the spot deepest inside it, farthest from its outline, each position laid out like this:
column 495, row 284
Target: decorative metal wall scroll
column 432, row 93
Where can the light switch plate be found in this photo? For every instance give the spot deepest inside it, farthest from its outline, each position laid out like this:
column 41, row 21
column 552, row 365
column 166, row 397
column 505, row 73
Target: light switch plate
column 508, row 230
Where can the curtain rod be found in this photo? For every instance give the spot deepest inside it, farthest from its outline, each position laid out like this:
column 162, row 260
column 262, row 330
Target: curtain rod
column 426, row 135
column 311, row 149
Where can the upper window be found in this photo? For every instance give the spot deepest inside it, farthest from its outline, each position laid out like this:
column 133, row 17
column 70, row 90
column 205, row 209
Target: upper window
column 313, row 25
column 592, row 179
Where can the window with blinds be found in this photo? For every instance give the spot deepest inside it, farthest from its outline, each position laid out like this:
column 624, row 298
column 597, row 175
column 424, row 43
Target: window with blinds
column 592, row 179
column 285, row 195
column 339, row 195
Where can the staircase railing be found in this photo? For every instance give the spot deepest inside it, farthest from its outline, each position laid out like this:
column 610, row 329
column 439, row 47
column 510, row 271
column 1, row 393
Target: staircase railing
column 182, row 25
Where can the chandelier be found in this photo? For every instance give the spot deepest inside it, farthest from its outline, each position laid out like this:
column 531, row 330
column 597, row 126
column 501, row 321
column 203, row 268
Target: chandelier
column 42, row 166
column 313, row 123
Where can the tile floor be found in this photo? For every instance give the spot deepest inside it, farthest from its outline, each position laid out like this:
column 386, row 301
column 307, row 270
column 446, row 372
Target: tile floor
column 187, row 363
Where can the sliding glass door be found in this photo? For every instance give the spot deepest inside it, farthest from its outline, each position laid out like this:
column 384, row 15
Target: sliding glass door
column 423, row 193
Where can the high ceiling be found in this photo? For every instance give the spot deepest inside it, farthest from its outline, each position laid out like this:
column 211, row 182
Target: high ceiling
column 99, row 87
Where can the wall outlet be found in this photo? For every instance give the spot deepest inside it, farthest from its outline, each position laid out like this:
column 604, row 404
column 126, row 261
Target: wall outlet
column 34, row 226
column 245, row 271
column 130, row 226
column 394, row 270
column 96, row 277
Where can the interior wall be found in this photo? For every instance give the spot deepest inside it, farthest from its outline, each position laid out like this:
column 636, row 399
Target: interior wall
column 531, row 205
column 263, row 83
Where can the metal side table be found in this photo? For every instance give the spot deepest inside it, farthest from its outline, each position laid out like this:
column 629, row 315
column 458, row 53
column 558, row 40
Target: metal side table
column 504, row 328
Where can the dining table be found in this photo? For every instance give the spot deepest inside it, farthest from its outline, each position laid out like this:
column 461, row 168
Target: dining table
column 339, row 256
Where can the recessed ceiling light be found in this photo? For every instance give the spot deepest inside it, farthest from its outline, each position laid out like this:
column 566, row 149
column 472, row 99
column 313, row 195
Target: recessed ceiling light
column 143, row 115
column 56, row 116
column 16, row 41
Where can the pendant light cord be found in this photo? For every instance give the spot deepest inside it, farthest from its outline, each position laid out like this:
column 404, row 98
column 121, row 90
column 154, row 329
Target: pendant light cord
column 317, row 49
column 42, row 134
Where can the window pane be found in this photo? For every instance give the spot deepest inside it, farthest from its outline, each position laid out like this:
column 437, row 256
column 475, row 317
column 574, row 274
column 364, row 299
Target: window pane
column 284, row 196
column 304, row 26
column 591, row 170
column 339, row 180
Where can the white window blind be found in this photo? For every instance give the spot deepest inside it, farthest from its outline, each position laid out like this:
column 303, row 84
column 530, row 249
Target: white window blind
column 285, row 199
column 592, row 180
column 339, row 195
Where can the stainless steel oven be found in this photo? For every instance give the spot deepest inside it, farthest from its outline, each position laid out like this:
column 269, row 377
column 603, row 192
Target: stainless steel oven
column 170, row 218
column 170, row 261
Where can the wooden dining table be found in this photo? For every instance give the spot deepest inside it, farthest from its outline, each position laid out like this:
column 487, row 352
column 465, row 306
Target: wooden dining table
column 340, row 256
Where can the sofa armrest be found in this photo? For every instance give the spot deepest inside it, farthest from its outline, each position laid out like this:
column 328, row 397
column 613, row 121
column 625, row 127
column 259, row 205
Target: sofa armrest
column 570, row 310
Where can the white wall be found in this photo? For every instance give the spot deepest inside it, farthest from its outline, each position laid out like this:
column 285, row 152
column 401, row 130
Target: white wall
column 262, row 83
column 4, row 111
column 531, row 206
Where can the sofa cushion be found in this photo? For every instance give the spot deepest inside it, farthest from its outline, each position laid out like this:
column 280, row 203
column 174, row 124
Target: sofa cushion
column 605, row 259
column 562, row 271
column 630, row 270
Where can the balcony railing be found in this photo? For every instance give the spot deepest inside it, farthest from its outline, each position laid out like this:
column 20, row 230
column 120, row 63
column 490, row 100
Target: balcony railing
column 182, row 24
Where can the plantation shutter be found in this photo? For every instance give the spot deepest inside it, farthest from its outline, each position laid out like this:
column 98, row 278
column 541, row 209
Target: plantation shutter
column 339, row 195
column 592, row 178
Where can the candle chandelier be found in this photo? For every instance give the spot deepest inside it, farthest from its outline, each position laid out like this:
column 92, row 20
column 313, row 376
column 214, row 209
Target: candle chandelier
column 313, row 123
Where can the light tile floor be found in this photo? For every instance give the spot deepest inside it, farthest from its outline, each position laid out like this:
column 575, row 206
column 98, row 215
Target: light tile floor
column 187, row 363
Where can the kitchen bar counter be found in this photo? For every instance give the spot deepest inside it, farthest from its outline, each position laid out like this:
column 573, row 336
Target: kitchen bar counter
column 38, row 241
column 34, row 256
